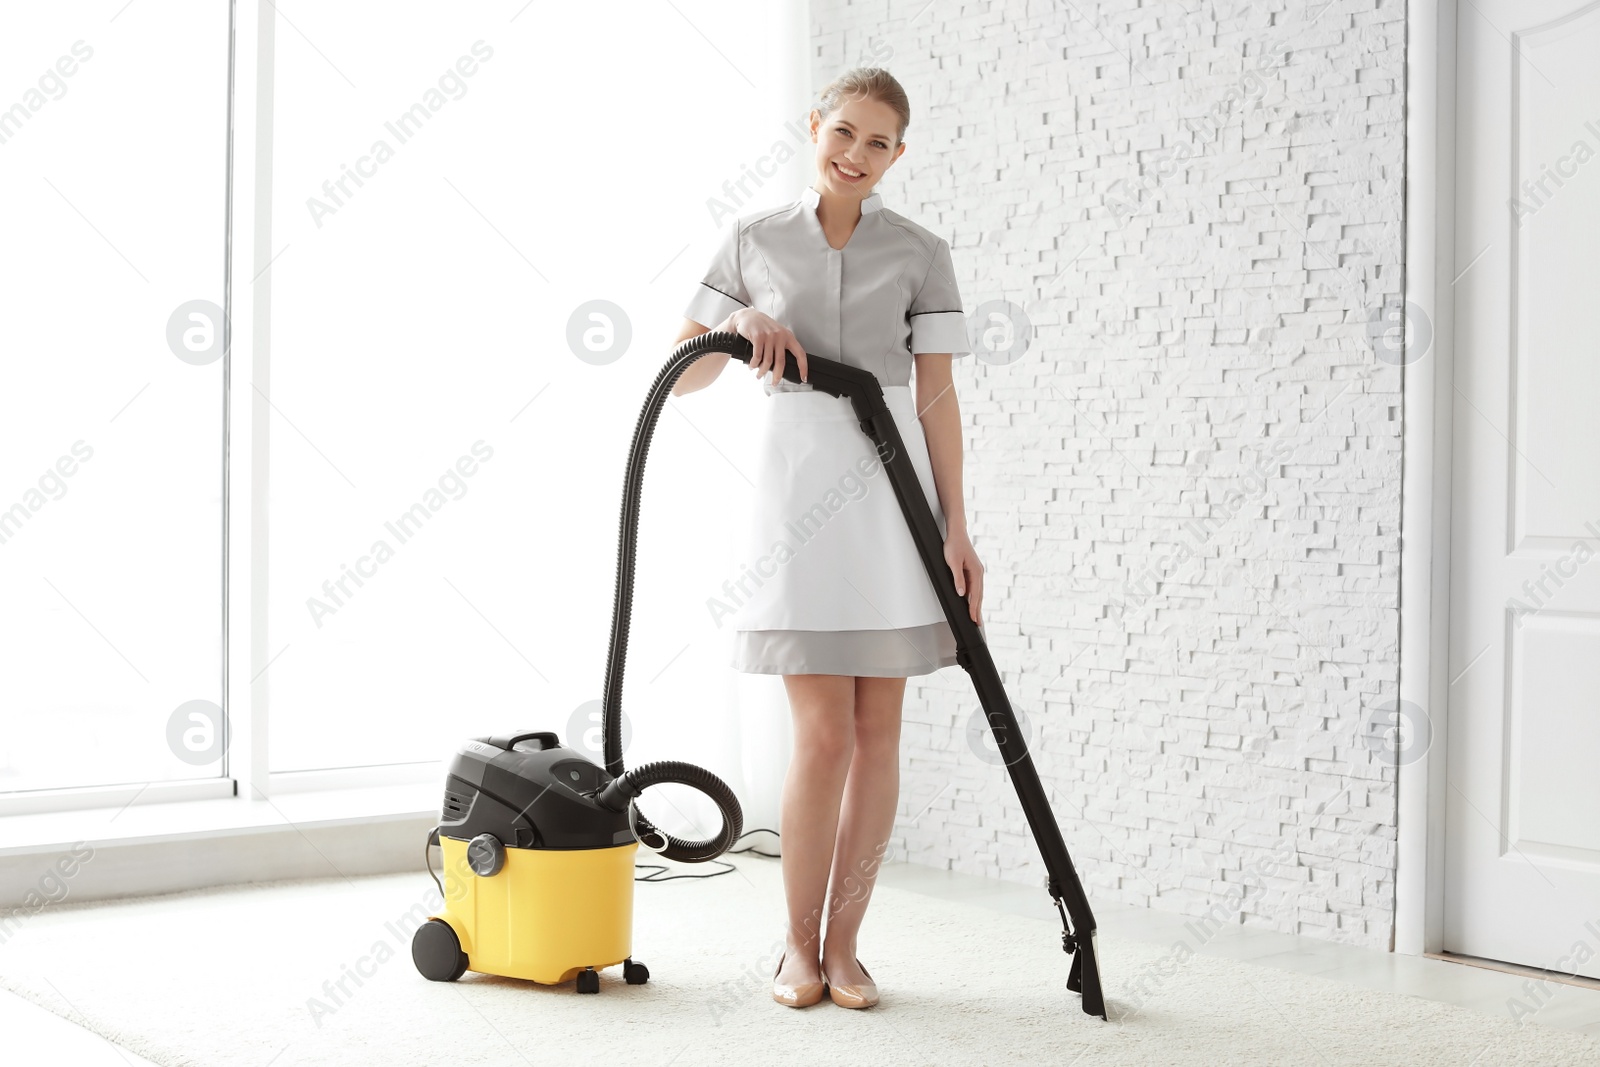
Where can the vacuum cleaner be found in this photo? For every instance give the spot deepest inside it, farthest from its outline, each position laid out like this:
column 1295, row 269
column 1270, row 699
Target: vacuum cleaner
column 539, row 841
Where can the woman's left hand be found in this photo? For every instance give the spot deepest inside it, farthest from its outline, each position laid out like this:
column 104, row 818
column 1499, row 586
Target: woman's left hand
column 968, row 571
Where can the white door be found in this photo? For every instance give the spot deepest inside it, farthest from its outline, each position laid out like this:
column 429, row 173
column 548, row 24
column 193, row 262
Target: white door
column 1522, row 851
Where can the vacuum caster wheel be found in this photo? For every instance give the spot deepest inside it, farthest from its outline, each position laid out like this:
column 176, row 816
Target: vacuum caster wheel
column 436, row 951
column 635, row 973
column 588, row 980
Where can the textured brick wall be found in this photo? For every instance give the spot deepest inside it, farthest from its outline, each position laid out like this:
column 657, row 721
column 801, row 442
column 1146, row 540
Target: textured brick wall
column 1186, row 490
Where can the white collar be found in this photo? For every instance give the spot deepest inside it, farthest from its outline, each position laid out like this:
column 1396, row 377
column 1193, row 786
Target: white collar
column 869, row 203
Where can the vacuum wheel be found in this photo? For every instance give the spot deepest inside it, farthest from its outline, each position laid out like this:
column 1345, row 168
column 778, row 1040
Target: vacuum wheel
column 588, row 980
column 635, row 973
column 436, row 951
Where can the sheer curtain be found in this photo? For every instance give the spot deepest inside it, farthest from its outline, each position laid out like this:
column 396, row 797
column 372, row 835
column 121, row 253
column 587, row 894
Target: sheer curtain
column 487, row 222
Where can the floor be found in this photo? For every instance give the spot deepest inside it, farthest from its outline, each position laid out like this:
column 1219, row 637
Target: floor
column 31, row 1028
column 1566, row 1007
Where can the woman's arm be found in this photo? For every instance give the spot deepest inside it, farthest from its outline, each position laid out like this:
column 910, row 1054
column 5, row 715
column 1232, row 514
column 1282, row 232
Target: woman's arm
column 703, row 371
column 940, row 416
column 771, row 345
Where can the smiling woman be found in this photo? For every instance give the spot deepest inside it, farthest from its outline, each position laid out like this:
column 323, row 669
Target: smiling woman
column 850, row 614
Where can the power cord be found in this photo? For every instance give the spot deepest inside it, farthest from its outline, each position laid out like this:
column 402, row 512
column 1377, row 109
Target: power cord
column 726, row 867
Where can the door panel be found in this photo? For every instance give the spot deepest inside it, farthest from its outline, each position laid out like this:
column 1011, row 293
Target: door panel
column 1522, row 850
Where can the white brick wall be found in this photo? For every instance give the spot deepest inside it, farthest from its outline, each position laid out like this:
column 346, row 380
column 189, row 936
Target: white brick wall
column 1192, row 733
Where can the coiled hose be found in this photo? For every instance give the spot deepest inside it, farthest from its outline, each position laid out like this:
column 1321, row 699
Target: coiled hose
column 629, row 784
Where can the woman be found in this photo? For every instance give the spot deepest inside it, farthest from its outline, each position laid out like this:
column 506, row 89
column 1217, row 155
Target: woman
column 843, row 609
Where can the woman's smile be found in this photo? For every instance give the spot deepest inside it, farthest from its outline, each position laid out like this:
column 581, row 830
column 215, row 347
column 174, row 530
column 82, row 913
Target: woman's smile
column 848, row 174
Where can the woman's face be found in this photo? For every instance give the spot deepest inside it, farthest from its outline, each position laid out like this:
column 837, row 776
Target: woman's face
column 858, row 138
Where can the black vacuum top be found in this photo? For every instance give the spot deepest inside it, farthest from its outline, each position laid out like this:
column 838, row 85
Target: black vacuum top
column 530, row 792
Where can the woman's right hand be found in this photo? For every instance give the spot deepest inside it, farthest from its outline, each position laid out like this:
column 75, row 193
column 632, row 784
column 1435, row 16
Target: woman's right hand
column 770, row 341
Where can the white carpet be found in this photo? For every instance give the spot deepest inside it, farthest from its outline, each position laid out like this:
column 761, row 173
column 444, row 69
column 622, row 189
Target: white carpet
column 224, row 976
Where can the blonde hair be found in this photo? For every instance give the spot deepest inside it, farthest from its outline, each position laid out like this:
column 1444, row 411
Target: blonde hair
column 872, row 83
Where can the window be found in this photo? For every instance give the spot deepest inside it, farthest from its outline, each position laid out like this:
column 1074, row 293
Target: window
column 113, row 136
column 483, row 233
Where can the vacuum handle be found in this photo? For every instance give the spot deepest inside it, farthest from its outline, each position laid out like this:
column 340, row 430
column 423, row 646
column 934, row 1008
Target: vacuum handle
column 824, row 375
column 547, row 739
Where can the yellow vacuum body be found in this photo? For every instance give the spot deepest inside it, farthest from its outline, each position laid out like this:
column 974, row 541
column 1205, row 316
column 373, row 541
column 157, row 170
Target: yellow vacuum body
column 538, row 845
column 547, row 914
column 538, row 871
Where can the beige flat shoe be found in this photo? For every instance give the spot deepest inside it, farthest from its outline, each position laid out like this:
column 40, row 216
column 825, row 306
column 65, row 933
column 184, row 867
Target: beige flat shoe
column 864, row 995
column 795, row 996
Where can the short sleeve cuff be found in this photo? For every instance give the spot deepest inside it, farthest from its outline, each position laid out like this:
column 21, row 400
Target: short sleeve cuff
column 939, row 331
column 709, row 307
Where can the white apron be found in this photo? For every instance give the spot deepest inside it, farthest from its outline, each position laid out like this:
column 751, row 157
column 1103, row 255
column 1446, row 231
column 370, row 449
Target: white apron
column 826, row 540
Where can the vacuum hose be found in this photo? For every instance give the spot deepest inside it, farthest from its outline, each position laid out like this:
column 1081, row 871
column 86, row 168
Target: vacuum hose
column 629, row 784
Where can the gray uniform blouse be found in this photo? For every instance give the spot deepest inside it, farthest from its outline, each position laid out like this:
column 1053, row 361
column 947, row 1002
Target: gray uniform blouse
column 888, row 294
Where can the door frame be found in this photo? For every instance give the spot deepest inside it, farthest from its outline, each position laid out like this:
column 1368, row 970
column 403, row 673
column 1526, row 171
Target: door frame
column 1427, row 387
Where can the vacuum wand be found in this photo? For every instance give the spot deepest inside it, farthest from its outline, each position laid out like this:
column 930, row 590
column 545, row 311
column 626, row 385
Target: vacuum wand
column 865, row 394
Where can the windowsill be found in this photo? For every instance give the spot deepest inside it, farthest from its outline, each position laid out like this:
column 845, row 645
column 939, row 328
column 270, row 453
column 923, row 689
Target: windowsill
column 190, row 844
column 186, row 820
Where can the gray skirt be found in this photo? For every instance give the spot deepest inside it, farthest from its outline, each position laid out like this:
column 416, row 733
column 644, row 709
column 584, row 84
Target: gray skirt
column 892, row 653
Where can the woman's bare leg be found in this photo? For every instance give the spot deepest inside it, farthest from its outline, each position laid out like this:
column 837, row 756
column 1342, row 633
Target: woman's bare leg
column 823, row 710
column 871, row 795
